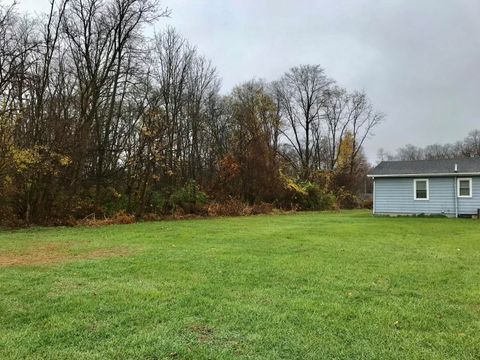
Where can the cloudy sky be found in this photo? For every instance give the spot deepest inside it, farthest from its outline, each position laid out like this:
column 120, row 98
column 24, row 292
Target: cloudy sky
column 418, row 60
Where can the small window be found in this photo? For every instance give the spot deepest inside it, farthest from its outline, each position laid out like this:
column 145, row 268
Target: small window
column 464, row 187
column 421, row 189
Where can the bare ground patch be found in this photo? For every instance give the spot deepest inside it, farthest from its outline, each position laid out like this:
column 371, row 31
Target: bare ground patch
column 203, row 332
column 55, row 253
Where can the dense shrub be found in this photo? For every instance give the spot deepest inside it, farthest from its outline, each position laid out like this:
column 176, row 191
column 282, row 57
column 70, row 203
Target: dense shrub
column 151, row 217
column 368, row 203
column 262, row 208
column 229, row 207
column 305, row 195
column 119, row 218
column 189, row 198
column 9, row 219
column 347, row 200
column 233, row 207
column 158, row 203
column 114, row 202
column 316, row 198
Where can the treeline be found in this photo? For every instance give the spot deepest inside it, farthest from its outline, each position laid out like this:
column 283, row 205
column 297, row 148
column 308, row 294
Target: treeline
column 468, row 147
column 96, row 118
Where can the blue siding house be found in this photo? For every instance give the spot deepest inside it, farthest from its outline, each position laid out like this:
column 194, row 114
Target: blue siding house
column 450, row 187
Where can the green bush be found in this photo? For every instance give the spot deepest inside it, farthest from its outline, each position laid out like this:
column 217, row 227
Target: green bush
column 114, row 201
column 305, row 195
column 189, row 198
column 158, row 202
column 347, row 200
column 316, row 198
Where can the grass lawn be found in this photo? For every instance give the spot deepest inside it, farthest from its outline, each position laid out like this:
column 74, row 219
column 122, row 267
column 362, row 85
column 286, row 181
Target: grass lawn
column 302, row 286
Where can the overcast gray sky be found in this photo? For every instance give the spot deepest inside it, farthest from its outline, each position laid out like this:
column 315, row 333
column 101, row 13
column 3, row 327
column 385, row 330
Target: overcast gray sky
column 419, row 61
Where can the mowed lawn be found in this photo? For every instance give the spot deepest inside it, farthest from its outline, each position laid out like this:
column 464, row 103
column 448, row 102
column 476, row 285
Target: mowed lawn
column 303, row 286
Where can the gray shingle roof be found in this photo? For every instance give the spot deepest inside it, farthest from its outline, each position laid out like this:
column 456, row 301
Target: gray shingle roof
column 424, row 167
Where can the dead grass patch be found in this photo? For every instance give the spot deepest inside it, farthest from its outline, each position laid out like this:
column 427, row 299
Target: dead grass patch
column 55, row 253
column 120, row 218
column 203, row 332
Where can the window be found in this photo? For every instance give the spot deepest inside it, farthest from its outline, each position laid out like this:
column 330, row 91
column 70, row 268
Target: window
column 420, row 189
column 464, row 187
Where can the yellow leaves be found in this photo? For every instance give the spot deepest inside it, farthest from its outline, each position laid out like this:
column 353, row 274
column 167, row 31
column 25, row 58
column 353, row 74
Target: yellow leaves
column 155, row 113
column 290, row 184
column 147, row 132
column 65, row 160
column 38, row 158
column 114, row 193
column 7, row 181
column 157, row 156
column 345, row 151
column 25, row 158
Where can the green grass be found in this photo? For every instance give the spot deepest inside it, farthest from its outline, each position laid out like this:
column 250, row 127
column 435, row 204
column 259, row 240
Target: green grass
column 304, row 286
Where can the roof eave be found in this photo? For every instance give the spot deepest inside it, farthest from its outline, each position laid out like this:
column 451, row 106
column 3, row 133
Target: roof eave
column 423, row 175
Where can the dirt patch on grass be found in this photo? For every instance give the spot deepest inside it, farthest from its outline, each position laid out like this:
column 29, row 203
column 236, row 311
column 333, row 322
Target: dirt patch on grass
column 203, row 332
column 55, row 253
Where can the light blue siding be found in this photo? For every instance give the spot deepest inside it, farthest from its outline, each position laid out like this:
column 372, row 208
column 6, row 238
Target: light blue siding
column 470, row 205
column 396, row 196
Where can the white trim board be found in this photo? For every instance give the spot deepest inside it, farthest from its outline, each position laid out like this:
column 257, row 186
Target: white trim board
column 426, row 174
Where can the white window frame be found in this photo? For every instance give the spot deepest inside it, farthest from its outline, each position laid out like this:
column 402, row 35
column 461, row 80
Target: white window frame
column 458, row 187
column 415, row 190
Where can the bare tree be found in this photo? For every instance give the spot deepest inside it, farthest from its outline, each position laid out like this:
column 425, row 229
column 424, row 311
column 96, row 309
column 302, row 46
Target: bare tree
column 410, row 152
column 103, row 38
column 173, row 61
column 301, row 96
column 337, row 118
column 472, row 143
column 383, row 155
column 363, row 119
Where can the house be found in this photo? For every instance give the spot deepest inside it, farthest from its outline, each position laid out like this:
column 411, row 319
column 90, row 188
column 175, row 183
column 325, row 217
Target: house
column 448, row 186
